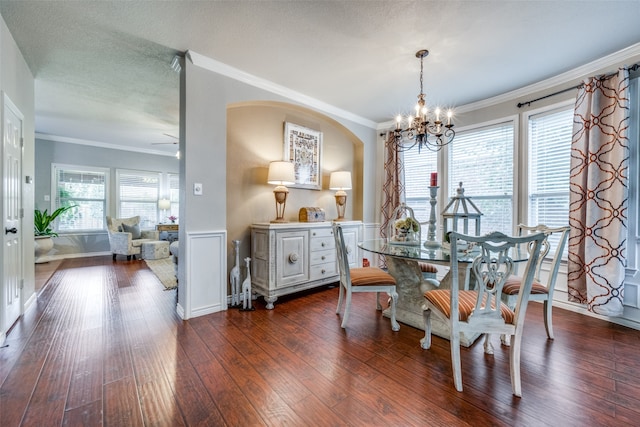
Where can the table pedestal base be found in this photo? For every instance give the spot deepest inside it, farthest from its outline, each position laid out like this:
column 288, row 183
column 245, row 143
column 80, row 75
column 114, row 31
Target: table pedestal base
column 411, row 288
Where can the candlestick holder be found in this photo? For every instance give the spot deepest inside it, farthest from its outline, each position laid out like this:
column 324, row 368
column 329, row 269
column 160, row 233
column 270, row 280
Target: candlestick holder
column 431, row 242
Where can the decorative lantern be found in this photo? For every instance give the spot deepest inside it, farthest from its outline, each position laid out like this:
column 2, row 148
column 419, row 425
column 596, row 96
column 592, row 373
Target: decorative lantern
column 460, row 212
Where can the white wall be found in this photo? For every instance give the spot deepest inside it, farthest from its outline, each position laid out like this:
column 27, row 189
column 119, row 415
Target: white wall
column 17, row 82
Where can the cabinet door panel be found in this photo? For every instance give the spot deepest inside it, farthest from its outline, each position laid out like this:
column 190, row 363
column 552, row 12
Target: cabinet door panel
column 292, row 260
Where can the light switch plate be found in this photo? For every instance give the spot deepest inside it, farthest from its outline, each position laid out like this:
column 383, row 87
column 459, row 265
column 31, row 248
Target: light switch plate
column 197, row 189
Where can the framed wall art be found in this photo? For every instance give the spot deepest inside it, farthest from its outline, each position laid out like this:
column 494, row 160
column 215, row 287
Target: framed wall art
column 303, row 148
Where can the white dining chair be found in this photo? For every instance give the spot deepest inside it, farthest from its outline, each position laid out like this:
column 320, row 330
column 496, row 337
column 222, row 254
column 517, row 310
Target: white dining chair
column 480, row 308
column 542, row 289
column 362, row 279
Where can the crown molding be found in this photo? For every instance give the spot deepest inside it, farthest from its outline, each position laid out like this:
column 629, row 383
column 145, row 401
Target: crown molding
column 220, row 68
column 564, row 78
column 55, row 138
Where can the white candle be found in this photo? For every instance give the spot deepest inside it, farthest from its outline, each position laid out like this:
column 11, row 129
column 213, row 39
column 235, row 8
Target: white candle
column 449, row 114
column 437, row 114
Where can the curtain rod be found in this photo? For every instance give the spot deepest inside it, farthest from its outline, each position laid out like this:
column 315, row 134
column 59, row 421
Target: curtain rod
column 634, row 67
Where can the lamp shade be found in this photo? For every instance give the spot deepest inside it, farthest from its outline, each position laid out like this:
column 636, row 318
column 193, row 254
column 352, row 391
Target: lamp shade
column 164, row 204
column 281, row 173
column 340, row 180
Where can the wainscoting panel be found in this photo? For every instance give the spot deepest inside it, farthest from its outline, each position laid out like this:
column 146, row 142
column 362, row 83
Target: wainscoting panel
column 205, row 271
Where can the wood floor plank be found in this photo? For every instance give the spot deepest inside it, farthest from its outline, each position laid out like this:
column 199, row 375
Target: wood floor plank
column 89, row 414
column 122, row 404
column 103, row 345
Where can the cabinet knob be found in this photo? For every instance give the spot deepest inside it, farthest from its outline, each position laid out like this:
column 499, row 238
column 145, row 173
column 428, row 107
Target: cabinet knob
column 322, row 244
column 313, row 234
column 323, row 257
column 323, row 271
column 293, row 258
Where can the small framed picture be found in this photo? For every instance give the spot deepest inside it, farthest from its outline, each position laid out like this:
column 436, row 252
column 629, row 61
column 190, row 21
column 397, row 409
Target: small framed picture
column 303, row 148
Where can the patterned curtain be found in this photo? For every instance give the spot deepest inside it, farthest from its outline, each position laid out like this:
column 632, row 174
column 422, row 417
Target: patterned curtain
column 598, row 194
column 393, row 187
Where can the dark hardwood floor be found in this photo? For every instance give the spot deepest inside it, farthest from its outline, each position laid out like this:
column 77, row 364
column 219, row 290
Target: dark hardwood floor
column 103, row 345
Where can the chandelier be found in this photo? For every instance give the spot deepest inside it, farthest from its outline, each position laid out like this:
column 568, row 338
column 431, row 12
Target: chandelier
column 426, row 129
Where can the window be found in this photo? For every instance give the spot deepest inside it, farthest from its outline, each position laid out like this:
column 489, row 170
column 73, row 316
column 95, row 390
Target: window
column 549, row 167
column 174, row 193
column 418, row 166
column 138, row 194
column 482, row 159
column 84, row 187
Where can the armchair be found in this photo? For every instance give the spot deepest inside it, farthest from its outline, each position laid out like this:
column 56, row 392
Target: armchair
column 126, row 238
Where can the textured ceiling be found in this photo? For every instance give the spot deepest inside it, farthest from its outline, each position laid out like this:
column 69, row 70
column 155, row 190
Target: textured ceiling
column 102, row 67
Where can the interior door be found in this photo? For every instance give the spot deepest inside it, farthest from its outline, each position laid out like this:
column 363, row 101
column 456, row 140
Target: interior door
column 12, row 204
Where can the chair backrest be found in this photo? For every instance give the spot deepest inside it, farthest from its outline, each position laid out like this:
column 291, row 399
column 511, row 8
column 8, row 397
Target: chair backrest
column 553, row 237
column 404, row 212
column 113, row 224
column 493, row 264
column 343, row 258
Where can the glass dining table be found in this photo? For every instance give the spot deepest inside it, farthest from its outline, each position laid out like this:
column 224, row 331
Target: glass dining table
column 403, row 264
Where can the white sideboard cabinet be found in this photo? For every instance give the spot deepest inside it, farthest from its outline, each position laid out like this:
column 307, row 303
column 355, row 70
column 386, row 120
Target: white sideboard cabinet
column 291, row 257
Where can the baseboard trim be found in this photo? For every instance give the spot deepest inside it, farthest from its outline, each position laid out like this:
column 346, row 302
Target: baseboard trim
column 30, row 301
column 581, row 309
column 69, row 256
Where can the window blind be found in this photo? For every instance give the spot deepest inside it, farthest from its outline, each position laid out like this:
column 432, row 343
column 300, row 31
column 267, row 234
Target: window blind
column 549, row 167
column 550, row 136
column 174, row 193
column 418, row 166
column 138, row 194
column 482, row 160
column 86, row 188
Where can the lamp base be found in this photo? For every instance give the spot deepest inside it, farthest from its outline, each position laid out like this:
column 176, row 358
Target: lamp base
column 278, row 221
column 341, row 202
column 280, row 192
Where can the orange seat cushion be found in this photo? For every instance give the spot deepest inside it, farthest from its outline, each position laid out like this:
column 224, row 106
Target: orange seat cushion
column 370, row 276
column 513, row 283
column 425, row 267
column 441, row 299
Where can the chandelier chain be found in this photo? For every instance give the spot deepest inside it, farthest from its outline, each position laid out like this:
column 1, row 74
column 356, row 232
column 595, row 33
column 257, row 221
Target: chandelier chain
column 421, row 68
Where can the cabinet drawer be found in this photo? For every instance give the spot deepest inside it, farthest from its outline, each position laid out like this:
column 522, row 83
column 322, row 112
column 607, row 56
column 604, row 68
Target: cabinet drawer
column 322, row 232
column 320, row 257
column 320, row 271
column 322, row 243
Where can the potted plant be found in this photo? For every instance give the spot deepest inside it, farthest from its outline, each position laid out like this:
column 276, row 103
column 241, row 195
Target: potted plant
column 43, row 229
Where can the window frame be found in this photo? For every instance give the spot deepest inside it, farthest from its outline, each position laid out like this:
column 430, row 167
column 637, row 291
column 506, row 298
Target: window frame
column 448, row 190
column 159, row 176
column 524, row 157
column 55, row 199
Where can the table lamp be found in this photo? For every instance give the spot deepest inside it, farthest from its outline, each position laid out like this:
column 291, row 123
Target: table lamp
column 164, row 204
column 281, row 173
column 340, row 181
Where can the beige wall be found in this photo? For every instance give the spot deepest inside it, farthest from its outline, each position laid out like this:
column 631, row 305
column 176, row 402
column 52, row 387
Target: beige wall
column 255, row 137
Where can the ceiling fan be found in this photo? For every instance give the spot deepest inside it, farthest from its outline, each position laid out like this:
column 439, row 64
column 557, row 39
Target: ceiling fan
column 170, row 142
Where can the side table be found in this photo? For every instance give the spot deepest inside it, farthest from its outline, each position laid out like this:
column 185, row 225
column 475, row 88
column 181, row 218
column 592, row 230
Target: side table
column 168, row 232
